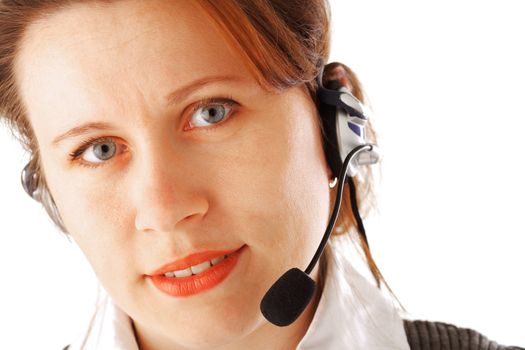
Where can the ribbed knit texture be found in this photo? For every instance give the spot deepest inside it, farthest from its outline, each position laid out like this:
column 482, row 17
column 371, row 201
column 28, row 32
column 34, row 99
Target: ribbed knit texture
column 426, row 335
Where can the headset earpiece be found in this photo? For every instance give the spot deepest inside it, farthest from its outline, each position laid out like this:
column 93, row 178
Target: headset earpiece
column 344, row 120
column 29, row 179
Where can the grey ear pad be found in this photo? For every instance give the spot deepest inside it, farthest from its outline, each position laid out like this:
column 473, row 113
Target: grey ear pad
column 29, row 180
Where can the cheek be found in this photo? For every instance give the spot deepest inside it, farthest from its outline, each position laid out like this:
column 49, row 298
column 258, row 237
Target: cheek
column 88, row 211
column 94, row 218
column 276, row 186
column 99, row 228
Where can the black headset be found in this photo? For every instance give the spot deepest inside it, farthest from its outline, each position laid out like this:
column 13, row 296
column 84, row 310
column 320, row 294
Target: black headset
column 344, row 121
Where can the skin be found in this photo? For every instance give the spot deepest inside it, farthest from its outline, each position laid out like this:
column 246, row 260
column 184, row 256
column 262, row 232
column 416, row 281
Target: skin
column 257, row 178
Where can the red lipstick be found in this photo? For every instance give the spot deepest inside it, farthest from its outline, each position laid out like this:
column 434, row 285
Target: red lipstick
column 197, row 283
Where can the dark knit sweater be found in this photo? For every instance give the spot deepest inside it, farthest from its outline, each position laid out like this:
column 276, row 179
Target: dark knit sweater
column 426, row 335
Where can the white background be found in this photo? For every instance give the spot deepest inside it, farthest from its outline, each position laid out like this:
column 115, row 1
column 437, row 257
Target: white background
column 444, row 79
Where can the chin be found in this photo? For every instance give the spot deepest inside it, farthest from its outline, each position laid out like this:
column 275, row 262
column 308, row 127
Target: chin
column 217, row 332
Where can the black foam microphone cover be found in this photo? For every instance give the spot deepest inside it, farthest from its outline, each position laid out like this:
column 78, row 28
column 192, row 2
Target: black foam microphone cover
column 288, row 297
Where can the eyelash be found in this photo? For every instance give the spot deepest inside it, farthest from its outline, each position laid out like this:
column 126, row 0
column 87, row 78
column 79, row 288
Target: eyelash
column 227, row 101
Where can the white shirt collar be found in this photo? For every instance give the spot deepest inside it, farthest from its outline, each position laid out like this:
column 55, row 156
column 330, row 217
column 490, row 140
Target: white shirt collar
column 352, row 314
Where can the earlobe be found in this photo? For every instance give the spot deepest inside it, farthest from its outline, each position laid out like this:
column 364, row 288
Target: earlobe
column 330, row 174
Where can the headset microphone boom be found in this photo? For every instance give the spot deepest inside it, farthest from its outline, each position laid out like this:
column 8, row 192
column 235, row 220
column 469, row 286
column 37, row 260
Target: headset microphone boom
column 344, row 115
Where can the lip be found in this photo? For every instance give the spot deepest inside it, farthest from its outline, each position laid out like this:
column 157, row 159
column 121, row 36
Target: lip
column 187, row 286
column 191, row 260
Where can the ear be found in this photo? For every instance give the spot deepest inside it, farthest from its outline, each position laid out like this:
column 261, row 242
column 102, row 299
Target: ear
column 329, row 172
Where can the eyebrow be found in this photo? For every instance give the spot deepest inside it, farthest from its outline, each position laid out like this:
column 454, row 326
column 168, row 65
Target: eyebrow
column 174, row 97
column 183, row 92
column 81, row 130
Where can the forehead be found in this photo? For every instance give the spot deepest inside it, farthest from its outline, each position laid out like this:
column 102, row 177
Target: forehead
column 126, row 45
column 118, row 29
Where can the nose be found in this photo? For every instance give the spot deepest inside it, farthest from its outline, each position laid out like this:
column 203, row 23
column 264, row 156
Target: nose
column 166, row 194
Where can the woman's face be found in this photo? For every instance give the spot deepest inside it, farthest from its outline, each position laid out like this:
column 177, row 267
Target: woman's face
column 184, row 153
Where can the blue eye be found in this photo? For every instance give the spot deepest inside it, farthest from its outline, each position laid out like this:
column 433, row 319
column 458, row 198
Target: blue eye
column 100, row 152
column 96, row 151
column 213, row 112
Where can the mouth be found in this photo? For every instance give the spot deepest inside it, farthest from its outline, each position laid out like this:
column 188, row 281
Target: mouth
column 196, row 273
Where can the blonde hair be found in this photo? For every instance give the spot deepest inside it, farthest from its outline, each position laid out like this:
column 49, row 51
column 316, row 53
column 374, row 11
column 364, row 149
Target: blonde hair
column 282, row 42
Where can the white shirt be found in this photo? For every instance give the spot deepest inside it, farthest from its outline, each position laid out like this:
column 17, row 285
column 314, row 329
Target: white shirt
column 352, row 314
